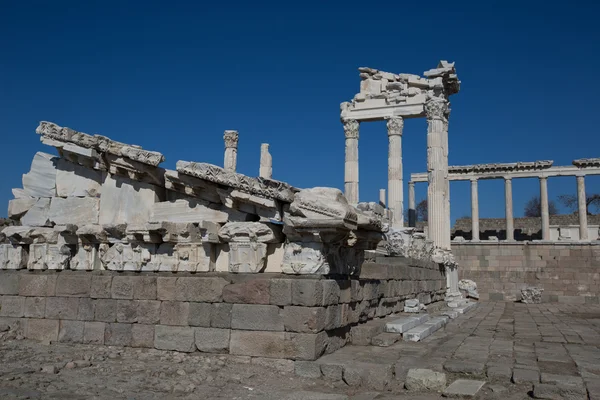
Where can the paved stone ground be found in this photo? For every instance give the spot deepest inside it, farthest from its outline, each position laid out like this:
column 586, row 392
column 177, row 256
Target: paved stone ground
column 510, row 346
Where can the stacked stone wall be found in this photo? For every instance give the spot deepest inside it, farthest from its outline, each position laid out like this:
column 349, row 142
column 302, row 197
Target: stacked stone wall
column 261, row 315
column 568, row 273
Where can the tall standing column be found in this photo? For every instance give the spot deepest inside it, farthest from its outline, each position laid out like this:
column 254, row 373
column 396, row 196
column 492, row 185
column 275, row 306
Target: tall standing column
column 582, row 203
column 412, row 209
column 395, row 189
column 437, row 170
column 351, row 165
column 508, row 199
column 474, row 211
column 266, row 162
column 231, row 144
column 544, row 205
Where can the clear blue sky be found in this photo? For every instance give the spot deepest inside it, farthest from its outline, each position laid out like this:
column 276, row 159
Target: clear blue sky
column 172, row 75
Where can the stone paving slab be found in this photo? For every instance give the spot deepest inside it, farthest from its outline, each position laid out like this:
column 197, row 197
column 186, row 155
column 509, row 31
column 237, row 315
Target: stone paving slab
column 463, row 388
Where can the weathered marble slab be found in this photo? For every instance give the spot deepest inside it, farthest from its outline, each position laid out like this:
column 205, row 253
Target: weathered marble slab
column 38, row 214
column 86, row 258
column 12, row 257
column 186, row 211
column 74, row 210
column 43, row 256
column 127, row 201
column 251, row 232
column 73, row 180
column 40, row 181
column 258, row 186
column 247, row 257
column 18, row 207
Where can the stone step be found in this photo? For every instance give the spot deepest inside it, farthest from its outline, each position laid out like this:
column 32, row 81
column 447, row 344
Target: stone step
column 385, row 339
column 424, row 330
column 466, row 307
column 404, row 324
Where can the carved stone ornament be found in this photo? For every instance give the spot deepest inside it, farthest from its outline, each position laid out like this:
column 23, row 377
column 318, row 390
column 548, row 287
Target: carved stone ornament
column 395, row 126
column 231, row 139
column 351, row 128
column 436, row 109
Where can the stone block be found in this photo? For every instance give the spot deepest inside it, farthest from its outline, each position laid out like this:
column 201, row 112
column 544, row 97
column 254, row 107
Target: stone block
column 362, row 334
column 71, row 331
column 122, row 287
column 166, row 288
column 144, row 288
column 93, row 332
column 106, row 310
column 74, row 210
column 332, row 372
column 255, row 317
column 200, row 314
column 43, row 330
column 425, row 379
column 331, row 292
column 212, row 340
column 127, row 201
column 73, row 180
column 18, row 207
column 38, row 214
column 176, row 338
column 305, row 346
column 37, row 285
column 404, row 324
column 258, row 344
column 174, row 313
column 559, row 392
column 280, row 292
column 35, row 307
column 101, row 286
column 200, row 289
column 62, row 307
column 40, row 181
column 307, row 292
column 247, row 257
column 385, row 339
column 304, row 319
column 184, row 210
column 127, row 311
column 220, row 315
column 255, row 291
column 117, row 334
column 148, row 311
column 463, row 388
column 307, row 369
column 73, row 285
column 142, row 336
column 9, row 284
column 521, row 375
column 499, row 372
column 275, row 253
column 12, row 306
column 86, row 309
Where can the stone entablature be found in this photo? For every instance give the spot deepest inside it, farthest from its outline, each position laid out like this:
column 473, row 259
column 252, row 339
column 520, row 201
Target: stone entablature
column 105, row 205
column 501, row 167
column 587, row 162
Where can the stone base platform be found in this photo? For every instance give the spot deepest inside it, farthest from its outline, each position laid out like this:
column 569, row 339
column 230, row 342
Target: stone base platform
column 259, row 315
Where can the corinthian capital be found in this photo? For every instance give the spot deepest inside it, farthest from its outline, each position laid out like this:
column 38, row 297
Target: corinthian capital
column 395, row 126
column 437, row 109
column 231, row 139
column 350, row 128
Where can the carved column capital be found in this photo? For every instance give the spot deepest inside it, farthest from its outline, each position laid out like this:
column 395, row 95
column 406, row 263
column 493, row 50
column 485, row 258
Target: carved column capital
column 350, row 128
column 231, row 139
column 437, row 109
column 395, row 126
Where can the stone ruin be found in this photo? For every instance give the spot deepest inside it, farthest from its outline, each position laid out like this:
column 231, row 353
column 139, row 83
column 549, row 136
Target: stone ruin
column 107, row 247
column 103, row 204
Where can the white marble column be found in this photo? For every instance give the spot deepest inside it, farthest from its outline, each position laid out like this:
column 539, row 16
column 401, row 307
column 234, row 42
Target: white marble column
column 382, row 198
column 437, row 169
column 508, row 200
column 474, row 211
column 266, row 162
column 231, row 143
column 412, row 208
column 395, row 189
column 582, row 206
column 351, row 165
column 544, row 205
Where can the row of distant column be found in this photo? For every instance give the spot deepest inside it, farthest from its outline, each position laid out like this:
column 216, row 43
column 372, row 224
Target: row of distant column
column 231, row 139
column 508, row 197
column 438, row 195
